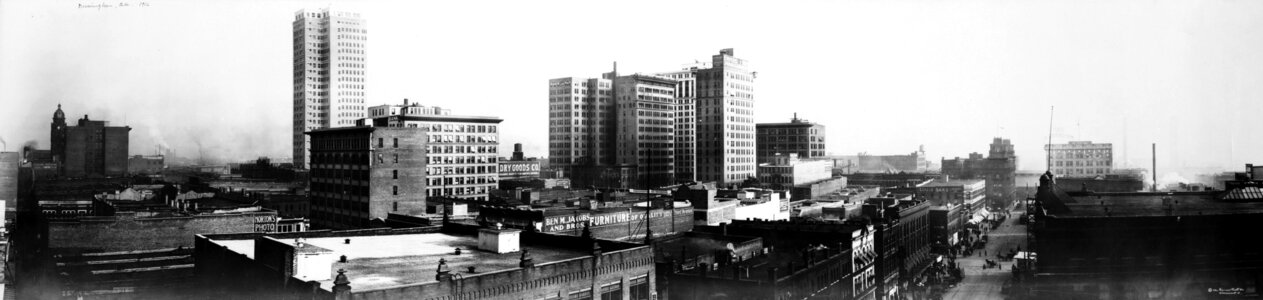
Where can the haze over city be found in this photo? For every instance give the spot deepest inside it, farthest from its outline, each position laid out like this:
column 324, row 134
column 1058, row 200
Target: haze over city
column 884, row 77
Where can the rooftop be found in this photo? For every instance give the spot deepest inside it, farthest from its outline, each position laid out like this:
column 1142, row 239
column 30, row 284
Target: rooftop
column 1092, row 204
column 952, row 182
column 381, row 261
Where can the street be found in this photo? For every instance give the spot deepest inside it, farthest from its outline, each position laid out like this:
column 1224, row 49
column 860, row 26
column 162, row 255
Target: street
column 982, row 283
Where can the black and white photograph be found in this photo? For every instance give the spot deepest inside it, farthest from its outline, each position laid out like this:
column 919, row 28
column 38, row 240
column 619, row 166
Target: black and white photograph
column 631, row 150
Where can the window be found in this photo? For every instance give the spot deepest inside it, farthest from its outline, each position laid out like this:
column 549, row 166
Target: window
column 396, row 206
column 613, row 291
column 394, row 190
column 380, row 142
column 396, row 141
column 581, row 295
column 640, row 288
column 394, row 174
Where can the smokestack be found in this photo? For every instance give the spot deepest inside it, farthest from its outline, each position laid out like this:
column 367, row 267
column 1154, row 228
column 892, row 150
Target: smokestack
column 1155, row 167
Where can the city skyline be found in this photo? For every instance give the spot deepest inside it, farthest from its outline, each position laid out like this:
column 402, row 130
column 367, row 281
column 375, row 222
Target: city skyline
column 1182, row 75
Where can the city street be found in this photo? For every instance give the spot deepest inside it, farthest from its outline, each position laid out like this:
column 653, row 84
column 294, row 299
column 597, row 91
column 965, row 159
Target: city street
column 982, row 283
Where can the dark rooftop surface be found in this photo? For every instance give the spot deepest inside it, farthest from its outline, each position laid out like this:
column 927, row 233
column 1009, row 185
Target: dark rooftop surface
column 1155, row 204
column 696, row 244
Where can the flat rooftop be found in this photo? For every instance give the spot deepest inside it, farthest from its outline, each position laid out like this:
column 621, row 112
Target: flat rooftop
column 692, row 244
column 381, row 261
column 1155, row 204
column 953, row 182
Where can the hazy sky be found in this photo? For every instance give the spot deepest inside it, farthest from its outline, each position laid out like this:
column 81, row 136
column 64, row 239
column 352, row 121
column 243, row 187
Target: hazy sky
column 883, row 76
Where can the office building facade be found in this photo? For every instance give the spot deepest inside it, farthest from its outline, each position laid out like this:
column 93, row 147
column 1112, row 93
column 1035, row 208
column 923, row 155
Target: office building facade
column 363, row 173
column 797, row 136
column 1081, row 159
column 645, row 106
column 581, row 121
column 461, row 151
column 329, row 74
column 685, row 121
column 725, row 120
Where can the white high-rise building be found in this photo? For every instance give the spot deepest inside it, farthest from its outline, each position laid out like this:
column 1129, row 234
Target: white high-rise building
column 329, row 74
column 686, row 120
column 725, row 121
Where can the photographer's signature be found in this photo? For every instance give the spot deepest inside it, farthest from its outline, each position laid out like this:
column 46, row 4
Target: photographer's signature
column 103, row 5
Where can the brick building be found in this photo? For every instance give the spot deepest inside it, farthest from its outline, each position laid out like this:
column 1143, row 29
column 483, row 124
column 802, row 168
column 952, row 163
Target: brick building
column 999, row 169
column 903, row 239
column 363, row 173
column 1128, row 245
column 796, row 136
column 799, row 260
column 460, row 150
column 621, row 222
column 92, row 148
column 126, row 249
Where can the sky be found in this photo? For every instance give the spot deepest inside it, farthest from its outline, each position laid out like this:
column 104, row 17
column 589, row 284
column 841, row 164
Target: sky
column 213, row 79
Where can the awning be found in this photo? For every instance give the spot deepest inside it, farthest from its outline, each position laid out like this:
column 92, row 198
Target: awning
column 983, row 213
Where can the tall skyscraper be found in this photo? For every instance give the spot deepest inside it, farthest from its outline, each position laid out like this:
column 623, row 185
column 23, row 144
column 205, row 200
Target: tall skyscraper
column 581, row 121
column 645, row 106
column 725, row 120
column 615, row 131
column 686, row 120
column 329, row 73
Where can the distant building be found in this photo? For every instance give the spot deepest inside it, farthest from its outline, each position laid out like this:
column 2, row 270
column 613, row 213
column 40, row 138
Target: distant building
column 945, row 190
column 359, row 174
column 452, row 262
column 92, row 148
column 797, row 136
column 890, row 180
column 999, row 169
column 145, row 164
column 329, row 73
column 914, row 162
column 1081, row 159
column 620, row 222
column 263, row 168
column 460, row 151
column 788, row 170
column 9, row 165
